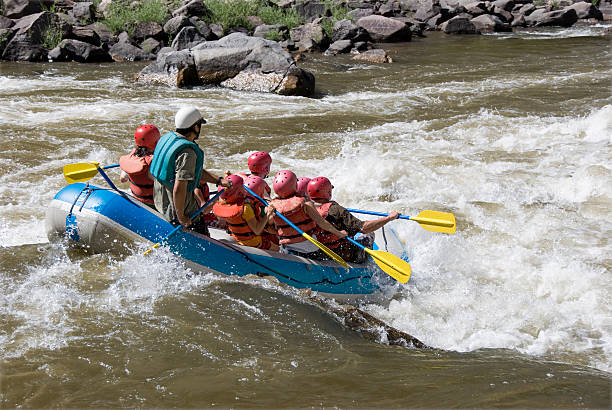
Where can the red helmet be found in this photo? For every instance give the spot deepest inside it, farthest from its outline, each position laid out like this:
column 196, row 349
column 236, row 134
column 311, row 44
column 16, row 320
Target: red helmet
column 302, row 183
column 320, row 188
column 236, row 192
column 260, row 162
column 256, row 184
column 285, row 183
column 147, row 136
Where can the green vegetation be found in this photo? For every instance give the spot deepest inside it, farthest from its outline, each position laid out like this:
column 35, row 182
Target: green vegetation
column 234, row 13
column 121, row 17
column 596, row 3
column 51, row 36
column 338, row 12
column 274, row 35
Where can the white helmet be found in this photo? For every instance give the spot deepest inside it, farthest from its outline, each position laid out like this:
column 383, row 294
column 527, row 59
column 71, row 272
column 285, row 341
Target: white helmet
column 187, row 116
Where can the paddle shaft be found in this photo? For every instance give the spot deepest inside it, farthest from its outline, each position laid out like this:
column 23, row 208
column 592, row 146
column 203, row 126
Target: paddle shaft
column 263, row 201
column 427, row 221
column 106, row 178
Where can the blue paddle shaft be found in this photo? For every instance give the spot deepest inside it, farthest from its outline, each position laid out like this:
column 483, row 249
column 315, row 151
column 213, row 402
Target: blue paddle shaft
column 359, row 211
column 291, row 224
column 106, row 178
column 110, row 166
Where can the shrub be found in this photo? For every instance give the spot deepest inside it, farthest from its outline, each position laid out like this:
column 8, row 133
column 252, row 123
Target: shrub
column 121, row 17
column 51, row 36
column 234, row 13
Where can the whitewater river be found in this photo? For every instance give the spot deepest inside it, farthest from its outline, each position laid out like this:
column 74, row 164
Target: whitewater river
column 512, row 133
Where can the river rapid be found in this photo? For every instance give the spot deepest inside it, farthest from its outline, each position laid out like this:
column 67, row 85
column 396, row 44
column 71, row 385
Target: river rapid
column 512, row 133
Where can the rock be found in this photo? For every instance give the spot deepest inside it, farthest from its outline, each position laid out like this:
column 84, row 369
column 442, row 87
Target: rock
column 263, row 30
column 75, row 50
column 519, row 21
column 586, row 10
column 374, row 56
column 488, row 23
column 87, row 35
column 83, row 11
column 563, row 18
column 124, row 51
column 149, row 29
column 309, row 37
column 384, row 29
column 347, row 30
column 476, row 8
column 102, row 31
column 188, row 37
column 506, row 5
column 175, row 24
column 5, row 37
column 459, row 25
column 217, row 30
column 427, row 9
column 23, row 48
column 195, row 8
column 506, row 16
column 386, row 10
column 235, row 61
column 526, row 9
column 29, row 33
column 104, row 7
column 359, row 13
column 311, row 10
column 254, row 20
column 339, row 47
column 360, row 46
column 16, row 9
column 203, row 28
column 150, row 45
column 6, row 22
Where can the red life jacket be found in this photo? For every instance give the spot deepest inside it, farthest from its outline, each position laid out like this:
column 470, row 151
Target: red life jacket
column 137, row 170
column 232, row 213
column 292, row 208
column 327, row 238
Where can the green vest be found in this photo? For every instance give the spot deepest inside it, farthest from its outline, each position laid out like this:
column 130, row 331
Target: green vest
column 163, row 166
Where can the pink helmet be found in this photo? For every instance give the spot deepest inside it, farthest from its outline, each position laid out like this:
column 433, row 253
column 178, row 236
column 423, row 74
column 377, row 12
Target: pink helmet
column 147, row 136
column 256, row 184
column 260, row 162
column 236, row 191
column 285, row 183
column 302, row 183
column 320, row 188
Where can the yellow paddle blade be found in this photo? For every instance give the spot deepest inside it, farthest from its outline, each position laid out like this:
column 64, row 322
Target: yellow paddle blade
column 327, row 251
column 436, row 221
column 395, row 267
column 80, row 172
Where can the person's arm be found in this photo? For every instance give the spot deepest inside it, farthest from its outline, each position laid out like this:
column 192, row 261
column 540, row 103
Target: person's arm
column 256, row 226
column 371, row 226
column 312, row 212
column 179, row 193
column 208, row 176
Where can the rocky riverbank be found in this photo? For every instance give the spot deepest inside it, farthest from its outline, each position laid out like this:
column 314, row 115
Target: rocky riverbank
column 247, row 44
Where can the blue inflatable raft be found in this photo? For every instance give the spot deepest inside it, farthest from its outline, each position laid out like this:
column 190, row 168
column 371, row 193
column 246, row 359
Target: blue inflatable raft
column 103, row 220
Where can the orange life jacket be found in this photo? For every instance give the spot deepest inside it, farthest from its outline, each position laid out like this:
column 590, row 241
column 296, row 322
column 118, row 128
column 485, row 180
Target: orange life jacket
column 327, row 238
column 137, row 170
column 292, row 208
column 232, row 213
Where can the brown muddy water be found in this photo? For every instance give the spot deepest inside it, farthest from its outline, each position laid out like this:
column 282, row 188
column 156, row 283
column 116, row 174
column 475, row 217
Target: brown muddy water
column 512, row 133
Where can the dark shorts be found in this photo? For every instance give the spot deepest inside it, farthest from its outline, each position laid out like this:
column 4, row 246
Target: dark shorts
column 199, row 226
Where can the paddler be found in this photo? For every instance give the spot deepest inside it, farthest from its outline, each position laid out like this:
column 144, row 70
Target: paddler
column 299, row 211
column 259, row 164
column 320, row 191
column 177, row 167
column 244, row 221
column 302, row 185
column 135, row 165
column 258, row 186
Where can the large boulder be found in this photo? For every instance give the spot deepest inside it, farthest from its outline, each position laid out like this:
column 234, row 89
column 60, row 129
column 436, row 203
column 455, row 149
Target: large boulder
column 586, row 10
column 191, row 8
column 85, row 34
column 374, row 56
column 16, row 9
column 188, row 37
column 83, row 11
column 75, row 50
column 564, row 18
column 236, row 61
column 124, row 51
column 458, row 25
column 488, row 23
column 29, row 35
column 427, row 9
column 309, row 37
column 149, row 29
column 347, row 30
column 384, row 29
